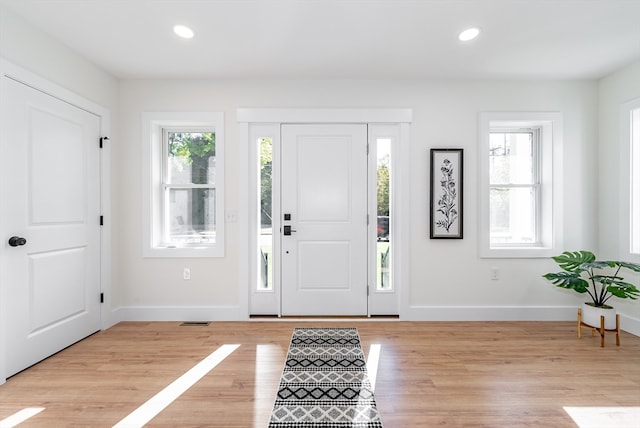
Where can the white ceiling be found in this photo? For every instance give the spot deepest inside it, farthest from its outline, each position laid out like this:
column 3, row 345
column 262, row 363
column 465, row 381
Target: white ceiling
column 352, row 39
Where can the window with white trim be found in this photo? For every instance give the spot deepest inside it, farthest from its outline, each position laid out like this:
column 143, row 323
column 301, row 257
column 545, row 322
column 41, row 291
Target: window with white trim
column 634, row 178
column 520, row 193
column 184, row 185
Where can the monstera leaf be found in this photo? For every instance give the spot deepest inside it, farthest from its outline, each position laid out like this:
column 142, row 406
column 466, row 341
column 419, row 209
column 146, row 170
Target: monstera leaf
column 573, row 261
column 624, row 290
column 569, row 280
column 631, row 266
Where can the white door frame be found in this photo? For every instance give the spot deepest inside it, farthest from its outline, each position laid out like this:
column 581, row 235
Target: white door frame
column 269, row 120
column 9, row 70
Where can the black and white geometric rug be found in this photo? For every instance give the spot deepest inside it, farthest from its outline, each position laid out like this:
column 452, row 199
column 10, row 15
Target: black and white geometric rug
column 324, row 383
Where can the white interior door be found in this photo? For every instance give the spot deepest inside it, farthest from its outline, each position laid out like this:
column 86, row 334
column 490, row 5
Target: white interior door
column 52, row 276
column 324, row 191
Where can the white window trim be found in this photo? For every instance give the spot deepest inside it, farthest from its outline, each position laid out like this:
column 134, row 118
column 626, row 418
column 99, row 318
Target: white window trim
column 383, row 302
column 550, row 222
column 625, row 180
column 152, row 170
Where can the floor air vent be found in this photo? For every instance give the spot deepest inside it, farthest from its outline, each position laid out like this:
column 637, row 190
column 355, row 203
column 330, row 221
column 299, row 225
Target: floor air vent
column 196, row 323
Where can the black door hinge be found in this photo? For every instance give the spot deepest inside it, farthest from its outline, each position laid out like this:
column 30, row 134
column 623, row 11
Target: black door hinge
column 101, row 220
column 102, row 140
column 101, row 297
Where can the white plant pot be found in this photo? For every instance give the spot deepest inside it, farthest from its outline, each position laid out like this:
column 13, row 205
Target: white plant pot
column 591, row 316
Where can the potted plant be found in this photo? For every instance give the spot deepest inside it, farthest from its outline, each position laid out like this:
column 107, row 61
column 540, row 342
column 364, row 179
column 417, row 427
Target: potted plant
column 601, row 280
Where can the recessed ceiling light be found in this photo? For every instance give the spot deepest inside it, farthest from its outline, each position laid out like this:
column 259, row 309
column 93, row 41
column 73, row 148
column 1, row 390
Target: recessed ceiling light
column 183, row 31
column 469, row 34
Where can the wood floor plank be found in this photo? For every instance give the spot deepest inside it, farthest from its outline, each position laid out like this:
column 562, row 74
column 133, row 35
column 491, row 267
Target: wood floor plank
column 454, row 374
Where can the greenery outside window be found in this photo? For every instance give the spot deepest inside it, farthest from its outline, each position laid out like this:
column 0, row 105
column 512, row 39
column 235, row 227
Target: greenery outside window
column 265, row 236
column 383, row 226
column 189, row 193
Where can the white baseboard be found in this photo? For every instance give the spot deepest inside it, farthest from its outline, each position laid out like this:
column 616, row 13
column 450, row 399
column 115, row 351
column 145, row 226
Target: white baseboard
column 170, row 313
column 489, row 313
column 506, row 313
column 413, row 313
column 630, row 324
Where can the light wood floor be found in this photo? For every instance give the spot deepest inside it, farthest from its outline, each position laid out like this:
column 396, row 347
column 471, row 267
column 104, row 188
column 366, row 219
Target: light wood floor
column 502, row 374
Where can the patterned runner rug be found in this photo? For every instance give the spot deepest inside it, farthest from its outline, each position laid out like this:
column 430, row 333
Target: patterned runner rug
column 324, row 383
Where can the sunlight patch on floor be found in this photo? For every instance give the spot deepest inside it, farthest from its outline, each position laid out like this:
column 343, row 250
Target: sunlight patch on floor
column 266, row 382
column 158, row 402
column 599, row 417
column 19, row 417
column 372, row 364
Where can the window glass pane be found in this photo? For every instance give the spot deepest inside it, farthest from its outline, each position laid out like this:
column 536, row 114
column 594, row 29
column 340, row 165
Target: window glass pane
column 520, row 177
column 635, row 181
column 190, row 216
column 512, row 215
column 265, row 239
column 511, row 158
column 383, row 251
column 191, row 158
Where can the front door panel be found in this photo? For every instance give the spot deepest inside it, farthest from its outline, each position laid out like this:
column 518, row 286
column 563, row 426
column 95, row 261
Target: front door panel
column 324, row 194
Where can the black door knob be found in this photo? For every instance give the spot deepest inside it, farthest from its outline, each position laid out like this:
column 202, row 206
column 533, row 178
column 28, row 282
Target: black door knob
column 16, row 241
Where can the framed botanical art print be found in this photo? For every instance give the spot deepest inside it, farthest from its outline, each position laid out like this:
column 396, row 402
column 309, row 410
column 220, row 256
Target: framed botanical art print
column 446, row 194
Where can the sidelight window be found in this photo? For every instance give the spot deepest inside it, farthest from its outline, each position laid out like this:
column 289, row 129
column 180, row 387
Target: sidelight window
column 265, row 221
column 383, row 227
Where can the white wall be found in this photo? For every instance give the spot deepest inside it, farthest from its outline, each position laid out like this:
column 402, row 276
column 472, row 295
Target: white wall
column 34, row 50
column 614, row 90
column 444, row 273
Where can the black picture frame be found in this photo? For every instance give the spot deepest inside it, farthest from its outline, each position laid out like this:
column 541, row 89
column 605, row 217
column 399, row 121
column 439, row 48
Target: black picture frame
column 447, row 179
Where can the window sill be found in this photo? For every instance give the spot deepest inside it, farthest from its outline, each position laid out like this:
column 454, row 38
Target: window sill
column 518, row 252
column 169, row 252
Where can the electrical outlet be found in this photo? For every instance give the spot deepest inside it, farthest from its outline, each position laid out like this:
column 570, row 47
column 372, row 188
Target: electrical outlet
column 495, row 273
column 186, row 274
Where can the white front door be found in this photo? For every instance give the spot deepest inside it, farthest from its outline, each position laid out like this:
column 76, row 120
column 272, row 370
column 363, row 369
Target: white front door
column 324, row 203
column 52, row 212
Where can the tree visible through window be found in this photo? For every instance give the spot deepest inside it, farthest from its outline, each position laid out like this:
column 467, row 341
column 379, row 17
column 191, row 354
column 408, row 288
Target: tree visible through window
column 189, row 188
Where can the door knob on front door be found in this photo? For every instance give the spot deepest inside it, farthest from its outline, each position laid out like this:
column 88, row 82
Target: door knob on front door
column 16, row 241
column 288, row 230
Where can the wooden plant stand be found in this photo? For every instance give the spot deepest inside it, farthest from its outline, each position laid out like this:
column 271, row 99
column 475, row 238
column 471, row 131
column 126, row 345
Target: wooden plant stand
column 600, row 329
